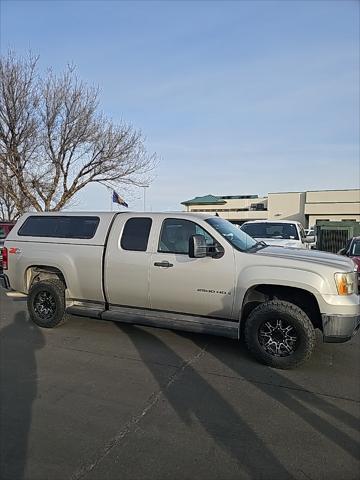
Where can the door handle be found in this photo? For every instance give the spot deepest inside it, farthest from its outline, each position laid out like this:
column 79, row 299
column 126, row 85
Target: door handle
column 165, row 264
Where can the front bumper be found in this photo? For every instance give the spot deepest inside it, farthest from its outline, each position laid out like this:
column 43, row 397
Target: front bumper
column 4, row 281
column 340, row 328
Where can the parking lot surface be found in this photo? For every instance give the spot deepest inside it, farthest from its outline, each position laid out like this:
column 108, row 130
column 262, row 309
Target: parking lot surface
column 98, row 400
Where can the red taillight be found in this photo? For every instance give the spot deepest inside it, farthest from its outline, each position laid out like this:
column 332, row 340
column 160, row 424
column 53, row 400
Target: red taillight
column 5, row 258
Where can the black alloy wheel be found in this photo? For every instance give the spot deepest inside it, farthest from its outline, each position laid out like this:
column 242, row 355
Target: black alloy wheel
column 46, row 303
column 280, row 334
column 278, row 337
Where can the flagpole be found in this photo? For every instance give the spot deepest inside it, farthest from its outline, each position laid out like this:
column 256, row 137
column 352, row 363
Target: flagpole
column 145, row 187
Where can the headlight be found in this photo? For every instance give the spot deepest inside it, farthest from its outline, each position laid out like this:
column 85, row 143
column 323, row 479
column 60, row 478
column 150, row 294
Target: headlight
column 345, row 283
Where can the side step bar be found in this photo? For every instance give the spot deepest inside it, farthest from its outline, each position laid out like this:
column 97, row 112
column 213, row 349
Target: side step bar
column 81, row 310
column 154, row 318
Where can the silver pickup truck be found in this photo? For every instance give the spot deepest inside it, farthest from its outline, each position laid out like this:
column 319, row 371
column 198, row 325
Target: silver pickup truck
column 182, row 271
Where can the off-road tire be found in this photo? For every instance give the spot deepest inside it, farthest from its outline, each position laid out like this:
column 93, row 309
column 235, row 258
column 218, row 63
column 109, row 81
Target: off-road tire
column 55, row 291
column 289, row 314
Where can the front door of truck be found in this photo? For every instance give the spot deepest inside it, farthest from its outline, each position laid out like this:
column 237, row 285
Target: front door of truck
column 198, row 286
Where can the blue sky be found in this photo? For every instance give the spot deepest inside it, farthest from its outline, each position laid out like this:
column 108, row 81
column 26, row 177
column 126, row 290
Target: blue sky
column 235, row 97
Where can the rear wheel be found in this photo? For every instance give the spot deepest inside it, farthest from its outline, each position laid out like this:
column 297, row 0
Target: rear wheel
column 280, row 334
column 46, row 303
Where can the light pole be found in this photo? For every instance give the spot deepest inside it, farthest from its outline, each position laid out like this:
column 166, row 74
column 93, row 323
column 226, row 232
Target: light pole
column 145, row 187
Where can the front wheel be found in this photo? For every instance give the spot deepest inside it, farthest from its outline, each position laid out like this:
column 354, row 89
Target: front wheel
column 280, row 334
column 46, row 303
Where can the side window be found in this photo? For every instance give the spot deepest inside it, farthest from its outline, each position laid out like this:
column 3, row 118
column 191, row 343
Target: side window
column 59, row 226
column 175, row 234
column 136, row 233
column 208, row 238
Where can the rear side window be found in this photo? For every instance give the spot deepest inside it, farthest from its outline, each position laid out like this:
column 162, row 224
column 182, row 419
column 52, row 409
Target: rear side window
column 136, row 234
column 59, row 227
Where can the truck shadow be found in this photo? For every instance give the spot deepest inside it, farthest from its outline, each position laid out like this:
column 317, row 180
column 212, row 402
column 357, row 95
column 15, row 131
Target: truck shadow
column 300, row 402
column 18, row 386
column 190, row 395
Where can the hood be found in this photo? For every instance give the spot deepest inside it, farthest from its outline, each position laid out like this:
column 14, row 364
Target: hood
column 281, row 242
column 338, row 262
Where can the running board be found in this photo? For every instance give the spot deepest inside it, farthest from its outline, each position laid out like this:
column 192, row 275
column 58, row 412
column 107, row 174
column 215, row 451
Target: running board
column 173, row 321
column 159, row 319
column 93, row 311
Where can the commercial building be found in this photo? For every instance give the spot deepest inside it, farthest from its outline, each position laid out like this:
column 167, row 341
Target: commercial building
column 306, row 207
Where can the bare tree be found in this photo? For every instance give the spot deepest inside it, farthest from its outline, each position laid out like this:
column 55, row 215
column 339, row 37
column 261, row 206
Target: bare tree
column 54, row 141
column 9, row 211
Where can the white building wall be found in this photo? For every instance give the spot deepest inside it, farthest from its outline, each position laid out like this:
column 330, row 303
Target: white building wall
column 331, row 196
column 305, row 207
column 286, row 206
column 335, row 205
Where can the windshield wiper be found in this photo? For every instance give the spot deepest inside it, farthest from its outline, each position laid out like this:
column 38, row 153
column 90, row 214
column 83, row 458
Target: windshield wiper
column 257, row 246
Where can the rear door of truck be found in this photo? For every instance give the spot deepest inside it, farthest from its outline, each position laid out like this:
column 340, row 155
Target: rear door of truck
column 127, row 261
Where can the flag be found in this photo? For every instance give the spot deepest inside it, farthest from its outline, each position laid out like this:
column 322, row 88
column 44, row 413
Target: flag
column 117, row 199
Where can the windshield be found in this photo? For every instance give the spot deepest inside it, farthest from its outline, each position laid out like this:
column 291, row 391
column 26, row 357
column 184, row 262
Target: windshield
column 286, row 231
column 355, row 249
column 236, row 237
column 2, row 233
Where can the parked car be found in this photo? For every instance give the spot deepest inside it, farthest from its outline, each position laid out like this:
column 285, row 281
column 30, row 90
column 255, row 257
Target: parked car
column 284, row 233
column 5, row 228
column 182, row 271
column 352, row 250
column 311, row 237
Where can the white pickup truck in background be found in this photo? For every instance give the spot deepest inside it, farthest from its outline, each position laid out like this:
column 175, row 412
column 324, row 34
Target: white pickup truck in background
column 182, row 271
column 283, row 233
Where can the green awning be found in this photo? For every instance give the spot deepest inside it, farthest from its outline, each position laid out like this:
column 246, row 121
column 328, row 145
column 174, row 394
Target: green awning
column 206, row 200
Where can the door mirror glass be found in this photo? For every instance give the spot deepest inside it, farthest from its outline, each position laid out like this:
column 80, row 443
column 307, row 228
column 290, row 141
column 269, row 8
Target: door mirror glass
column 309, row 239
column 197, row 246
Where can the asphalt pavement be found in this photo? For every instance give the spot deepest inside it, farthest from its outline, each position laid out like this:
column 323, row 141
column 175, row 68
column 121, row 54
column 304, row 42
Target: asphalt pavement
column 97, row 400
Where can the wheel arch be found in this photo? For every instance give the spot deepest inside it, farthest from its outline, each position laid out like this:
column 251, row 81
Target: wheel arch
column 37, row 273
column 261, row 293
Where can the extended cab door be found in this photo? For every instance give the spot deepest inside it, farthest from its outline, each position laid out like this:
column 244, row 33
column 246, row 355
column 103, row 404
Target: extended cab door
column 198, row 286
column 127, row 261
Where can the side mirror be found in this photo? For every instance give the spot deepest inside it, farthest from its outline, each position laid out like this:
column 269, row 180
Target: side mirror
column 309, row 239
column 197, row 246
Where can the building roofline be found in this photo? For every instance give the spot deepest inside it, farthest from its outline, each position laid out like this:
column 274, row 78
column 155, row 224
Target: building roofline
column 335, row 190
column 272, row 193
column 323, row 190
